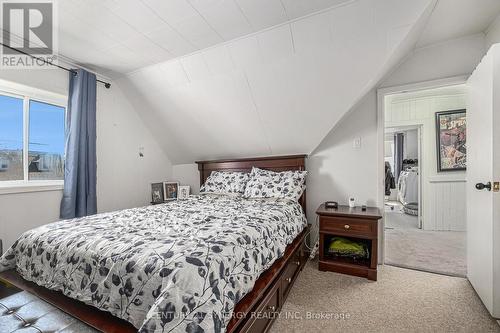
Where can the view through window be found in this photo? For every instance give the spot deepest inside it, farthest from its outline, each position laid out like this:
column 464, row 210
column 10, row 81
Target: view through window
column 42, row 138
column 11, row 138
column 46, row 141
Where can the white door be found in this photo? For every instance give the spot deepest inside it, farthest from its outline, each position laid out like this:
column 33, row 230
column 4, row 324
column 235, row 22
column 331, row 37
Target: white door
column 483, row 224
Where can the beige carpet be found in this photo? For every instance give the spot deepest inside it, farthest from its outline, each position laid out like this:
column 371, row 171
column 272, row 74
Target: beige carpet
column 400, row 301
column 432, row 251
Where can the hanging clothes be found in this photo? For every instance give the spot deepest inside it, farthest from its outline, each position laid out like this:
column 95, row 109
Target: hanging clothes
column 398, row 154
column 390, row 182
column 408, row 186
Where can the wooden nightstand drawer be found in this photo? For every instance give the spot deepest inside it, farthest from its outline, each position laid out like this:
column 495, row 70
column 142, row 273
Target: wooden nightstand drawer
column 356, row 226
column 347, row 226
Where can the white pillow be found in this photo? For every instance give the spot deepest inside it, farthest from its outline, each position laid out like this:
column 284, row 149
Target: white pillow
column 281, row 185
column 220, row 182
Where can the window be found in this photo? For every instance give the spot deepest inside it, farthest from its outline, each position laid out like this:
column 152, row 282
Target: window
column 46, row 141
column 31, row 138
column 11, row 138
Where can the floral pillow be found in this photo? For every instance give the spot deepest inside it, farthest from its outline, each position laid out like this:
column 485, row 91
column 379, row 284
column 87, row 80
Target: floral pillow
column 281, row 185
column 220, row 182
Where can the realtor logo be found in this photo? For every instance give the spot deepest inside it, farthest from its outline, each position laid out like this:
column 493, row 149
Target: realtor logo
column 29, row 37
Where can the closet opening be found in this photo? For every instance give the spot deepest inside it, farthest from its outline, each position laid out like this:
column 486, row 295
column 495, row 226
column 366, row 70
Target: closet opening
column 424, row 194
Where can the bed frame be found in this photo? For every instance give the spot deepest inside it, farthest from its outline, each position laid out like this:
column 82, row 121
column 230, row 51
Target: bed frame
column 254, row 313
column 278, row 163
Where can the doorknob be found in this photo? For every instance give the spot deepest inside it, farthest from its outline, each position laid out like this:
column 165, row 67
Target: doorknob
column 481, row 186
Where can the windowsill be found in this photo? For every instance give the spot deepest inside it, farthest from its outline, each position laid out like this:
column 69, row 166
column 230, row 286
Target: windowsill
column 31, row 187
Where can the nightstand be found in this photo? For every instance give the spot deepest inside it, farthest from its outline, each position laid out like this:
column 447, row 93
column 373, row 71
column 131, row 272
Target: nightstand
column 353, row 224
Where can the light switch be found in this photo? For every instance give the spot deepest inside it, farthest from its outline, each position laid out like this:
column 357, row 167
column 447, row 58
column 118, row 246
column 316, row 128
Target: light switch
column 357, row 143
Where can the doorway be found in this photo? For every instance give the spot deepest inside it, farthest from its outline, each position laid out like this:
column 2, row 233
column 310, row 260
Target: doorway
column 403, row 205
column 424, row 207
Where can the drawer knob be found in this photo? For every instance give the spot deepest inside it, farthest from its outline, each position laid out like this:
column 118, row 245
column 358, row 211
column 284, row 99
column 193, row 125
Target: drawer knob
column 271, row 308
column 289, row 280
column 347, row 226
column 297, row 263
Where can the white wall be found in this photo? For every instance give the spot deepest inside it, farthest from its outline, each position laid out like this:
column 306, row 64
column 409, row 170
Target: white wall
column 23, row 211
column 411, row 144
column 443, row 194
column 445, row 59
column 493, row 33
column 53, row 80
column 123, row 178
column 187, row 174
column 338, row 171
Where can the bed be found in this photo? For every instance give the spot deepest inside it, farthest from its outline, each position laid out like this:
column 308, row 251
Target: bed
column 218, row 263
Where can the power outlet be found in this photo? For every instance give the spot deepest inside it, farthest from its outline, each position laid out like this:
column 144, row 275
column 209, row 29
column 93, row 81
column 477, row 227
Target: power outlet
column 356, row 144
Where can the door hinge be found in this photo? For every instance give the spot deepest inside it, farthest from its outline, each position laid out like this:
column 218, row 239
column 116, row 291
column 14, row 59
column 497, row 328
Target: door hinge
column 496, row 186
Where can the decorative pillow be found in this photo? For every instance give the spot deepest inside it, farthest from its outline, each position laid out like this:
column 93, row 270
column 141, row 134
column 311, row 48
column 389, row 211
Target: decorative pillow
column 225, row 183
column 269, row 184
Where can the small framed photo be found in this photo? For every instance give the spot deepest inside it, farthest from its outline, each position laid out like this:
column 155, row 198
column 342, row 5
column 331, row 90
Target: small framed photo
column 184, row 191
column 170, row 190
column 156, row 193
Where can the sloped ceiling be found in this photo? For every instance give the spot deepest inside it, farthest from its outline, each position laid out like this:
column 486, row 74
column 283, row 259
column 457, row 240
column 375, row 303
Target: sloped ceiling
column 457, row 18
column 278, row 91
column 115, row 37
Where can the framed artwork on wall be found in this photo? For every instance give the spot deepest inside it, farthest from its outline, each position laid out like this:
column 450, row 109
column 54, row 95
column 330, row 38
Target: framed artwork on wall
column 156, row 193
column 451, row 139
column 171, row 190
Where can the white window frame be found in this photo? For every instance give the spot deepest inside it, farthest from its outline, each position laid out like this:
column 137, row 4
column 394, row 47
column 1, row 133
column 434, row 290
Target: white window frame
column 27, row 93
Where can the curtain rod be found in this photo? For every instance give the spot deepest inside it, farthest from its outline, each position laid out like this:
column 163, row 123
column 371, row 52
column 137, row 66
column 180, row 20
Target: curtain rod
column 106, row 84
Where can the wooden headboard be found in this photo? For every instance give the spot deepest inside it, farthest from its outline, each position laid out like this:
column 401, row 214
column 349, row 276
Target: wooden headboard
column 275, row 163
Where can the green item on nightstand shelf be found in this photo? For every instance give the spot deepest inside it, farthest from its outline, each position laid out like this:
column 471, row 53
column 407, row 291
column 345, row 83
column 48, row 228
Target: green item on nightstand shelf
column 345, row 247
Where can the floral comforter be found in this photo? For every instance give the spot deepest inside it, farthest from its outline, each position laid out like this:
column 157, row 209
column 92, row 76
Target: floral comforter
column 175, row 267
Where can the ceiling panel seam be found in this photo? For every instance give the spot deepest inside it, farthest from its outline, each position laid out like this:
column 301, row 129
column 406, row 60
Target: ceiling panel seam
column 284, row 10
column 170, row 26
column 256, row 108
column 185, row 72
column 244, row 15
column 139, row 32
column 288, row 22
column 206, row 21
column 291, row 38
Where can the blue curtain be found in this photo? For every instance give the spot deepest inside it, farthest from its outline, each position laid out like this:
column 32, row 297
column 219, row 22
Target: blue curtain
column 79, row 196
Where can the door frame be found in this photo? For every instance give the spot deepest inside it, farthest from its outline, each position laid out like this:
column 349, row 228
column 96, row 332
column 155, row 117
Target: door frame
column 381, row 94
